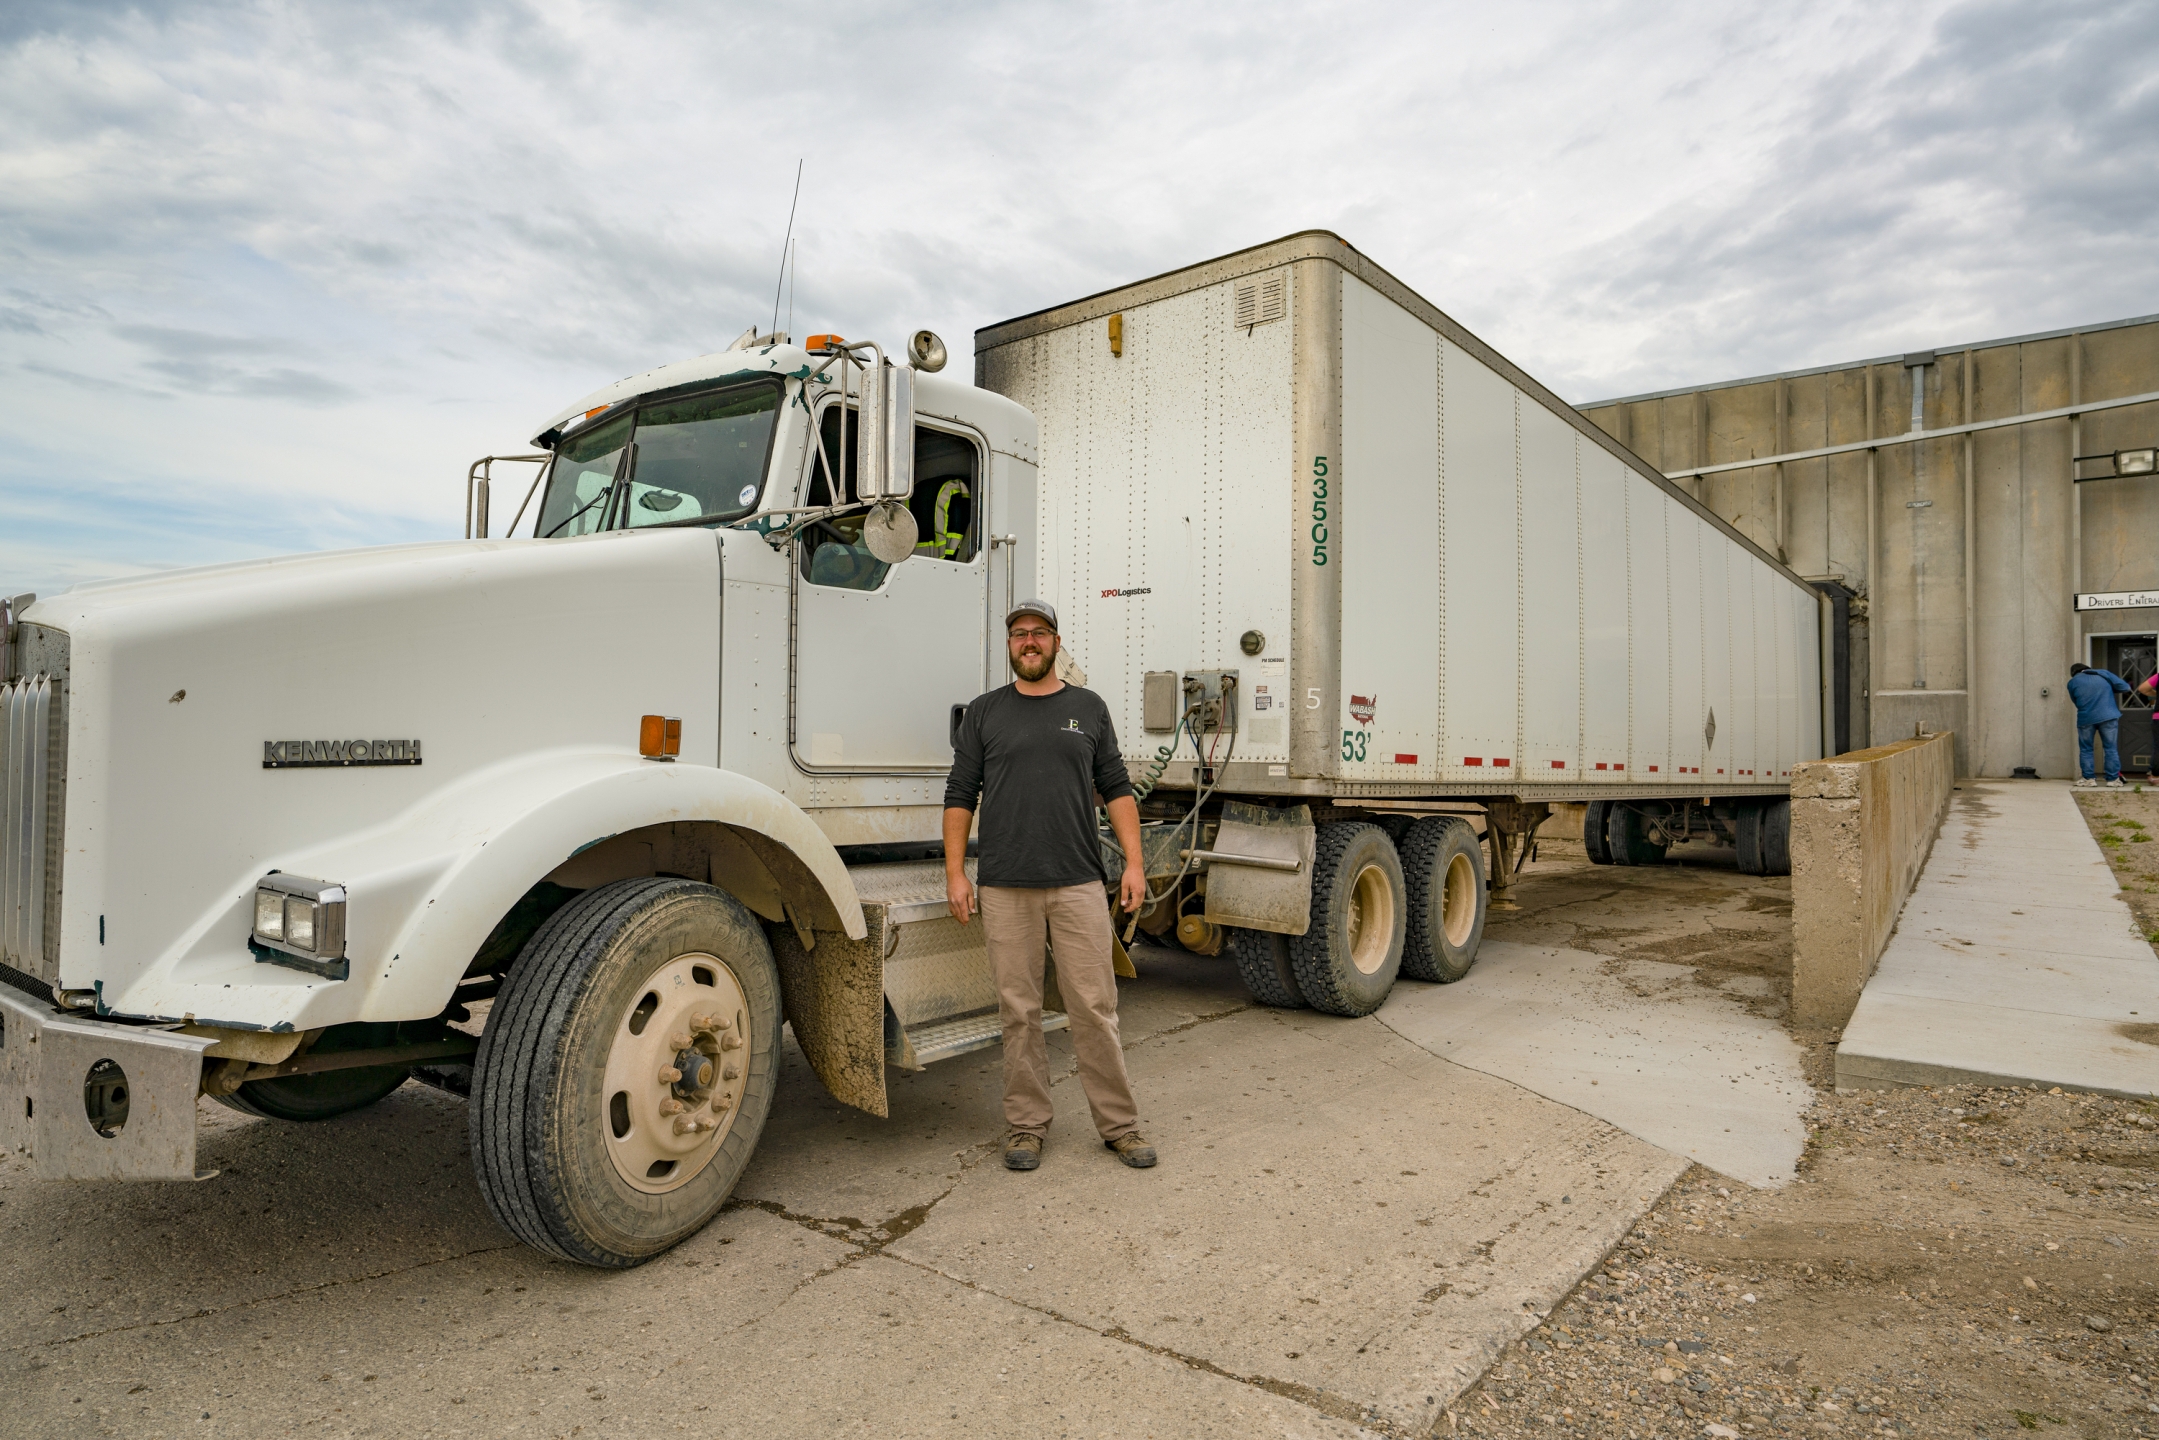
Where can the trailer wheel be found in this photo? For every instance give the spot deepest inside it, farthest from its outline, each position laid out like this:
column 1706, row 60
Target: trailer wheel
column 1627, row 836
column 1777, row 838
column 1443, row 865
column 1596, row 817
column 626, row 1071
column 1263, row 963
column 1764, row 838
column 330, row 1093
column 1346, row 963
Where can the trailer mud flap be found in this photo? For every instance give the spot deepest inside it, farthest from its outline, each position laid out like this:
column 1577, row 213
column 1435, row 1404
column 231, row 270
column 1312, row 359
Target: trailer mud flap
column 90, row 1100
column 1253, row 898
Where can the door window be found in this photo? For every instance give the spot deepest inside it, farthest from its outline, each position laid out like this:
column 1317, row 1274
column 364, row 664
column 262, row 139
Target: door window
column 948, row 487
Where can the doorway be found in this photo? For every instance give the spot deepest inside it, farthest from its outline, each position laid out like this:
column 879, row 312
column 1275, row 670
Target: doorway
column 2136, row 659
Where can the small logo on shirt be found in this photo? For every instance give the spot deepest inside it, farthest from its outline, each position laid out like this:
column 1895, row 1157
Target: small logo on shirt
column 1074, row 727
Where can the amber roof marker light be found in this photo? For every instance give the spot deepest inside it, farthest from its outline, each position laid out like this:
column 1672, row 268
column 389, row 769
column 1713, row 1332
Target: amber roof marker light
column 659, row 737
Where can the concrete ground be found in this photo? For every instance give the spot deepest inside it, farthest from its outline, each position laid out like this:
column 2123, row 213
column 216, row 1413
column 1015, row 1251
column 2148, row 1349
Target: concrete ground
column 2016, row 959
column 1351, row 1221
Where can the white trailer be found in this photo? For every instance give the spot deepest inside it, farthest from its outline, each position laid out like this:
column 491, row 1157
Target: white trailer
column 570, row 823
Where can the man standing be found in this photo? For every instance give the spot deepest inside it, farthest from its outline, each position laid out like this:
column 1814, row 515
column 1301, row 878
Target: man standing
column 2098, row 710
column 1038, row 755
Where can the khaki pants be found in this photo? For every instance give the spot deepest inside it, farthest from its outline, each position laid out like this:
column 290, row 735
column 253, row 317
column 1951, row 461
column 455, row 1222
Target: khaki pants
column 1076, row 920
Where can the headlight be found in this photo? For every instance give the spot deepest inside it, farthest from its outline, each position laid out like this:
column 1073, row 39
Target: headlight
column 269, row 915
column 302, row 919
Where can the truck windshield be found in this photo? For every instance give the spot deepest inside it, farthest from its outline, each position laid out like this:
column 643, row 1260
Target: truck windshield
column 700, row 458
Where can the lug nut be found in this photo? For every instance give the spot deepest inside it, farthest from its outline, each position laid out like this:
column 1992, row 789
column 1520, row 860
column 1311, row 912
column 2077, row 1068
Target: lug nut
column 681, row 1040
column 669, row 1074
column 686, row 1126
column 721, row 1104
column 670, row 1106
column 730, row 1041
column 731, row 1071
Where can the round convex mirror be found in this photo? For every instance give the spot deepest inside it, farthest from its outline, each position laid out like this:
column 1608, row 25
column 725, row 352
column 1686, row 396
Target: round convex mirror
column 889, row 531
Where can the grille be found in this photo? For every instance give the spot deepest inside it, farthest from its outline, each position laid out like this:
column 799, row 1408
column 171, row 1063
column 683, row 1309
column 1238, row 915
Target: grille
column 32, row 777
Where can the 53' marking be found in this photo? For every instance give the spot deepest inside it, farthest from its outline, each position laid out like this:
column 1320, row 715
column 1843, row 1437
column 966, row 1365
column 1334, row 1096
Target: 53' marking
column 1354, row 742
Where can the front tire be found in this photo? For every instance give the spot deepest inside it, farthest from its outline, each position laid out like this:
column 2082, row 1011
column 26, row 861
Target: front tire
column 1347, row 961
column 584, row 1146
column 1443, row 864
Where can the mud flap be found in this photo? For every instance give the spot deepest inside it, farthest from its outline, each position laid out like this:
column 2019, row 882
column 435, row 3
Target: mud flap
column 834, row 998
column 1254, row 899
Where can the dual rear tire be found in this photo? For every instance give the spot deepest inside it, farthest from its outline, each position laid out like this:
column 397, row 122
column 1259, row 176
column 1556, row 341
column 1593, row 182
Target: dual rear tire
column 1377, row 912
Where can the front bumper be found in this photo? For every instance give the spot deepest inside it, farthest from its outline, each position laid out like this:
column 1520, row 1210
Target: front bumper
column 88, row 1099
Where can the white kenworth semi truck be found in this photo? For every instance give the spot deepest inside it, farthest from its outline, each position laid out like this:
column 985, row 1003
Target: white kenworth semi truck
column 667, row 769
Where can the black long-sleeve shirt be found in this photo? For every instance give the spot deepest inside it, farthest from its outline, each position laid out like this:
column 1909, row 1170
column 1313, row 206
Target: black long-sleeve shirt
column 1034, row 763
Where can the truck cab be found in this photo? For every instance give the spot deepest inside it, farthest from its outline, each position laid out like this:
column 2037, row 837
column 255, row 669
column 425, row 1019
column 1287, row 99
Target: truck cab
column 276, row 832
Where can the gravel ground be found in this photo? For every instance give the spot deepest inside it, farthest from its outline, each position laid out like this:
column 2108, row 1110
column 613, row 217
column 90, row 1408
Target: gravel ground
column 1953, row 1261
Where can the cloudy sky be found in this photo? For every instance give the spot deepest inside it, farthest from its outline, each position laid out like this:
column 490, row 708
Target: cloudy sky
column 271, row 274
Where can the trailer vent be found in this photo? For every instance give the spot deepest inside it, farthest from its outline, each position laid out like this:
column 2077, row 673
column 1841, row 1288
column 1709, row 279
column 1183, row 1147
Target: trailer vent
column 1262, row 299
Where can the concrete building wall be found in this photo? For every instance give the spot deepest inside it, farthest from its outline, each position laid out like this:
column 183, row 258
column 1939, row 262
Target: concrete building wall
column 1984, row 653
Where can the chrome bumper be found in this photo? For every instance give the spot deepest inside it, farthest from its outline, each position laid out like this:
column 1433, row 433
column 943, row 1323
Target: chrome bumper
column 90, row 1100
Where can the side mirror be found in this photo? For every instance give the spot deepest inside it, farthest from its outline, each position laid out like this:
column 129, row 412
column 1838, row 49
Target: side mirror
column 885, row 434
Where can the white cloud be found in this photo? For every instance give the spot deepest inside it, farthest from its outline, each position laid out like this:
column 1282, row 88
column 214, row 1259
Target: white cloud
column 277, row 272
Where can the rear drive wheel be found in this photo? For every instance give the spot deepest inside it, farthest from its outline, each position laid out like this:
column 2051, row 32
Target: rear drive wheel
column 1347, row 961
column 1264, row 965
column 1443, row 865
column 1627, row 836
column 328, row 1093
column 1594, row 839
column 626, row 1071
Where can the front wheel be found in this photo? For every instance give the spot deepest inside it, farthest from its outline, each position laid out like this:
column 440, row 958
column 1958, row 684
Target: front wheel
column 626, row 1071
column 1444, row 866
column 1347, row 961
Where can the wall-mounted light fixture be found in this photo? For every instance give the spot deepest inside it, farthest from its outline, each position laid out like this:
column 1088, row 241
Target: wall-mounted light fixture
column 2126, row 462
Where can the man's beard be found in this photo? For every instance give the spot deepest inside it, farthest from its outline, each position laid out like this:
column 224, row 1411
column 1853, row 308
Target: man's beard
column 1032, row 667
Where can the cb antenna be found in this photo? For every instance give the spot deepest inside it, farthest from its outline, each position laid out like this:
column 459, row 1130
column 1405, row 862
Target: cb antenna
column 786, row 245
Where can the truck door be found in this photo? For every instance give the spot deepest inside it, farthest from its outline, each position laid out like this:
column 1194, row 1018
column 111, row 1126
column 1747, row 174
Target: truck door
column 882, row 653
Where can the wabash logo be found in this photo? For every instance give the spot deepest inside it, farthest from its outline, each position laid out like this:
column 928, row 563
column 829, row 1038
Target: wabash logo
column 1135, row 590
column 1363, row 707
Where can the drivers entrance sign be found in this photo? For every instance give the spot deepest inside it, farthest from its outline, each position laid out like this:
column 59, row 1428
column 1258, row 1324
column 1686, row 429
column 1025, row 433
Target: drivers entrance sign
column 2119, row 600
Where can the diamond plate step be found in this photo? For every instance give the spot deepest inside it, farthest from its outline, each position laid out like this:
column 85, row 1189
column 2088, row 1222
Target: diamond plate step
column 943, row 1039
column 910, row 890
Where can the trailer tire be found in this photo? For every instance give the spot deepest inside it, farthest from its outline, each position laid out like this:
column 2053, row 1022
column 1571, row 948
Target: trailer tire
column 571, row 1142
column 1764, row 838
column 1777, row 838
column 329, row 1093
column 1443, row 867
column 1597, row 815
column 1263, row 963
column 1347, row 961
column 1628, row 838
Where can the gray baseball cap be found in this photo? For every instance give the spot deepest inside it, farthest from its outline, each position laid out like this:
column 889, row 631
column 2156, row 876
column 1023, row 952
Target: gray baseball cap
column 1041, row 609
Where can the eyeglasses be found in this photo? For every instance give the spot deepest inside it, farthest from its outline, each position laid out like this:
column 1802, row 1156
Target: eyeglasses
column 1036, row 634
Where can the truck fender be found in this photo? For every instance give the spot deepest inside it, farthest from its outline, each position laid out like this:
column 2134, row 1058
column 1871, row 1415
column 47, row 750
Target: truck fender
column 445, row 874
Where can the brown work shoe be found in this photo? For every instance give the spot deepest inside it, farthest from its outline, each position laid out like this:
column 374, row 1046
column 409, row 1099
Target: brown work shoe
column 1023, row 1150
column 1134, row 1151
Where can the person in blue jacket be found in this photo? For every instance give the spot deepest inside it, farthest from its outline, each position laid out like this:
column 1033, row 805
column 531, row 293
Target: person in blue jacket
column 2098, row 710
